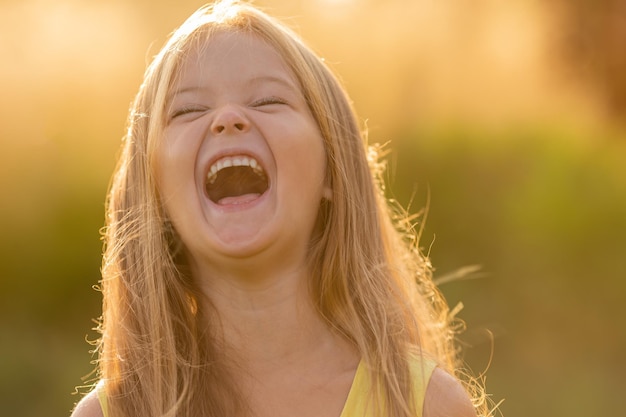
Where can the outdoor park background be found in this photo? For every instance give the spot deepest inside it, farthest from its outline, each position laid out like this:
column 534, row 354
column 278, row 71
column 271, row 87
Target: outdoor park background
column 510, row 114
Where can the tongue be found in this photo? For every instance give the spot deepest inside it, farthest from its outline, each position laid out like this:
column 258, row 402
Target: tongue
column 240, row 199
column 236, row 185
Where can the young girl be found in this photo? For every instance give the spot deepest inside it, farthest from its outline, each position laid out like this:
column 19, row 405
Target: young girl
column 252, row 265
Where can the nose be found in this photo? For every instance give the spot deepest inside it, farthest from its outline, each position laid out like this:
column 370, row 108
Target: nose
column 229, row 119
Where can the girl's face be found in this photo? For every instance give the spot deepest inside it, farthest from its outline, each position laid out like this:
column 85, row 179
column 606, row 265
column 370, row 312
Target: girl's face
column 242, row 163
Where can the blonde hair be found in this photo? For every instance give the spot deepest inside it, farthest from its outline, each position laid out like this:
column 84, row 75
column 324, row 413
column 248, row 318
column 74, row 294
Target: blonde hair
column 369, row 279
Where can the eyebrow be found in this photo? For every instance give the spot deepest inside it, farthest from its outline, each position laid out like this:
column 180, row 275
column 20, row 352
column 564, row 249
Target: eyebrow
column 275, row 79
column 250, row 82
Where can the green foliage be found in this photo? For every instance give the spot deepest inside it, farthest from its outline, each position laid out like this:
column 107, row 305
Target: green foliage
column 544, row 213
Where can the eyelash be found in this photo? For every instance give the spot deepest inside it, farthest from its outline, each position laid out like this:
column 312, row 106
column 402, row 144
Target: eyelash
column 185, row 110
column 267, row 101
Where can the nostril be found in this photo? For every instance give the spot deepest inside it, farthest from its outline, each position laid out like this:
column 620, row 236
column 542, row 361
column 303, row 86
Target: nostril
column 229, row 121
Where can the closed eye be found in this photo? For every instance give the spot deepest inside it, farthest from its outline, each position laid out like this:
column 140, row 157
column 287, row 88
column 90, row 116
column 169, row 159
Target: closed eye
column 266, row 101
column 186, row 110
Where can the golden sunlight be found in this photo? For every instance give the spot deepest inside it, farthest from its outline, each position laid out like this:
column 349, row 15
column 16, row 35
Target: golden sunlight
column 336, row 2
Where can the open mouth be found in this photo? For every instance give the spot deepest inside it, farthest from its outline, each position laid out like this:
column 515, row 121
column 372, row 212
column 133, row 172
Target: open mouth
column 236, row 180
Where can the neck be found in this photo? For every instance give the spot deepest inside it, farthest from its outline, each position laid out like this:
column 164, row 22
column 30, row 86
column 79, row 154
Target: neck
column 269, row 320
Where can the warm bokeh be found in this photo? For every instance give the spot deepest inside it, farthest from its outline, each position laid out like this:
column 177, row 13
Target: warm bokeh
column 511, row 115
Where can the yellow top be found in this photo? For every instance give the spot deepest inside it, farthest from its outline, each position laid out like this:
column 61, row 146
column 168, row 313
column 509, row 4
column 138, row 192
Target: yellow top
column 357, row 401
column 102, row 396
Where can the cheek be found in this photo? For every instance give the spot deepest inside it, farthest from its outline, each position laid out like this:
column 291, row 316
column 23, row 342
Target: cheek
column 304, row 147
column 167, row 161
column 316, row 153
column 307, row 171
column 179, row 149
column 174, row 162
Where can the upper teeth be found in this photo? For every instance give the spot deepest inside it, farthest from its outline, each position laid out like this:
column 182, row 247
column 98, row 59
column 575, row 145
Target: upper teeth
column 233, row 161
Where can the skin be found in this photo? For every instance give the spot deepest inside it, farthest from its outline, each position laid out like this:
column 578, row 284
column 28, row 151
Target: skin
column 236, row 96
column 444, row 398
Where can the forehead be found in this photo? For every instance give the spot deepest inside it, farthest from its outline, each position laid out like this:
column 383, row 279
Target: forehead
column 229, row 57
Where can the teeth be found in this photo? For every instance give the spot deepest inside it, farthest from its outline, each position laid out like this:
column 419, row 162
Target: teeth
column 236, row 161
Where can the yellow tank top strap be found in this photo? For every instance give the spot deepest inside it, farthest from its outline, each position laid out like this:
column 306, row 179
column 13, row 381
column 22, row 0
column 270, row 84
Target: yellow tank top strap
column 422, row 369
column 102, row 397
column 359, row 404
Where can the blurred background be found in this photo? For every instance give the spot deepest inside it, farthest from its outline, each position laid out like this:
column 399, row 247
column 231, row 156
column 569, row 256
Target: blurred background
column 506, row 119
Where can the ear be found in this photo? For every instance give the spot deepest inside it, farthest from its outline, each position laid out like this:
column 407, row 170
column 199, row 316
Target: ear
column 327, row 193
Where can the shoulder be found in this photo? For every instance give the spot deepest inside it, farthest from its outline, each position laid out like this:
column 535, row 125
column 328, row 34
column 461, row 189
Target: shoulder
column 446, row 397
column 89, row 406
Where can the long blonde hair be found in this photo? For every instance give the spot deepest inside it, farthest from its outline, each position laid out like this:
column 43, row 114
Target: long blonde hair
column 369, row 279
